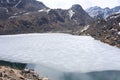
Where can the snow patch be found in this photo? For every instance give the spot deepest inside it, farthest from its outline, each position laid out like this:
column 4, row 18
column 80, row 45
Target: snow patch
column 75, row 21
column 18, row 3
column 12, row 17
column 98, row 21
column 7, row 10
column 27, row 13
column 119, row 33
column 114, row 17
column 41, row 10
column 15, row 13
column 48, row 10
column 20, row 12
column 8, row 1
column 44, row 10
column 85, row 28
column 113, row 29
column 119, row 23
column 71, row 13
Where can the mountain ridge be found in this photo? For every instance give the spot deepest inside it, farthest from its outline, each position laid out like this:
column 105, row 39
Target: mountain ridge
column 107, row 31
column 42, row 19
column 98, row 12
column 35, row 17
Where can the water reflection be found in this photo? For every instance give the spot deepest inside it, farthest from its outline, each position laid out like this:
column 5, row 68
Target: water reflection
column 53, row 74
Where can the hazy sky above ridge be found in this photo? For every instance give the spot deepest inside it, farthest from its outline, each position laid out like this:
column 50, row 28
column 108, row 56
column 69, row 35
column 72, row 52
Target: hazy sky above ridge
column 65, row 4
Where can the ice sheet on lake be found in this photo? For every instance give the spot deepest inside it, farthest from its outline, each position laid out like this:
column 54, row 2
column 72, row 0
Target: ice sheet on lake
column 60, row 51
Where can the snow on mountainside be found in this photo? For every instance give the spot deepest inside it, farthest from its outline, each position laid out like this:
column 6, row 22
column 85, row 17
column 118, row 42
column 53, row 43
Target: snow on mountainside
column 98, row 12
column 22, row 4
column 33, row 16
column 63, row 52
column 10, row 7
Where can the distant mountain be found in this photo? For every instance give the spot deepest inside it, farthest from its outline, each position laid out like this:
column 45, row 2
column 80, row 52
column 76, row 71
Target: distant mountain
column 17, row 7
column 98, row 12
column 26, row 16
column 22, row 4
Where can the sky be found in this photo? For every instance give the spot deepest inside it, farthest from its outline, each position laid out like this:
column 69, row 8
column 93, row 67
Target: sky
column 65, row 4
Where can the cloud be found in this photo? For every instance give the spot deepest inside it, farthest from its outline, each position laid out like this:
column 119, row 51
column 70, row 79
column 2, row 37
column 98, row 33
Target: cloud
column 65, row 4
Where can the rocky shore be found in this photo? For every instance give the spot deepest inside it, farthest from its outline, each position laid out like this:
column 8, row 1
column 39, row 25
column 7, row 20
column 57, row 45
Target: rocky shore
column 8, row 73
column 17, row 71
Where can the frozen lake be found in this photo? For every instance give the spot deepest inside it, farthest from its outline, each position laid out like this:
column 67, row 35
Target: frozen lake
column 57, row 53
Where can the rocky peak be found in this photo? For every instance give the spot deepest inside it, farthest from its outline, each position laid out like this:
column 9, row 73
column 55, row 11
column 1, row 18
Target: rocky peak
column 76, row 7
column 33, row 16
column 12, row 3
column 77, row 13
column 25, row 4
column 116, row 9
column 98, row 12
column 12, row 8
column 96, row 8
column 107, row 8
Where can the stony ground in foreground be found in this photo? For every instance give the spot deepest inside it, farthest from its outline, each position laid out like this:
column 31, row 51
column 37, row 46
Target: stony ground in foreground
column 7, row 73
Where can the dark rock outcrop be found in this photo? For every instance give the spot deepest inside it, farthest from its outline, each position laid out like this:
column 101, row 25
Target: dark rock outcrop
column 107, row 31
column 79, row 15
column 22, row 4
column 18, row 7
column 43, row 19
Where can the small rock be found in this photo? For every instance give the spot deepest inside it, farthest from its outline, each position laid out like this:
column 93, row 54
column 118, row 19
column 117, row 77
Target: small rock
column 1, row 74
column 5, row 75
column 12, row 79
column 45, row 78
column 1, row 79
column 22, row 78
column 26, row 71
column 11, row 71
